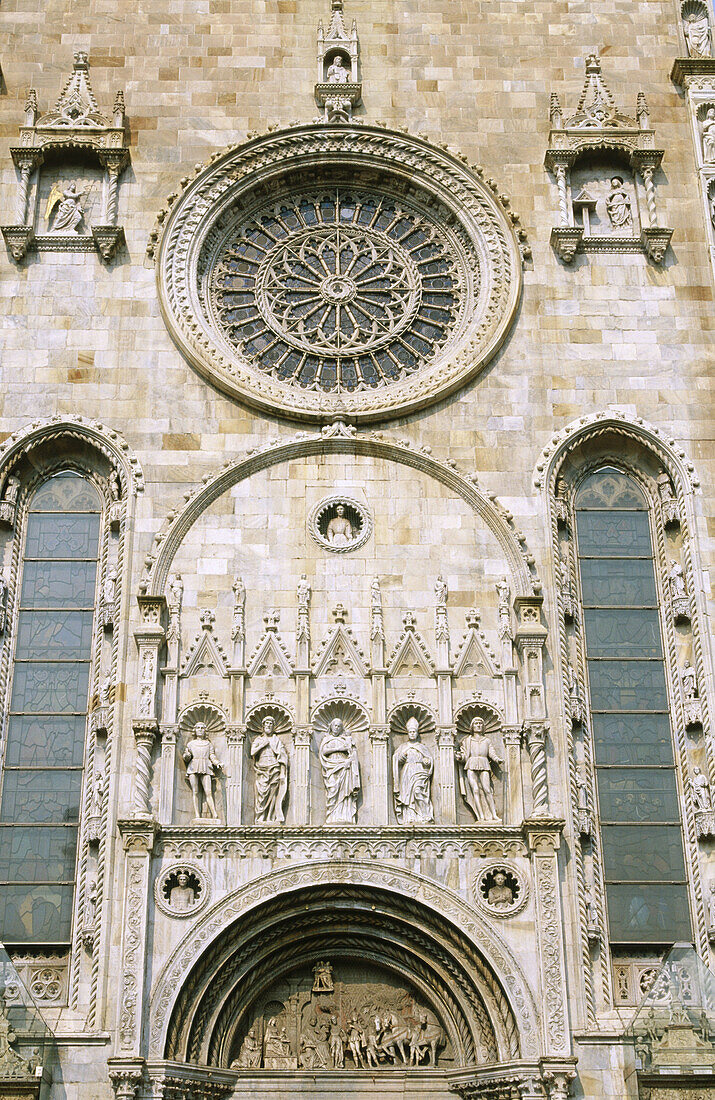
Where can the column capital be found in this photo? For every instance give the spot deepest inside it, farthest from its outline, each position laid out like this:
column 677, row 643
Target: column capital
column 138, row 836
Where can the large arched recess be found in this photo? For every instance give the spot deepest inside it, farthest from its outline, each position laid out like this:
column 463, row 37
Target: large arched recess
column 397, row 920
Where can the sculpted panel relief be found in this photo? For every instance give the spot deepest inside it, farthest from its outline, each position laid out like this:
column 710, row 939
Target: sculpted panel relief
column 360, row 1018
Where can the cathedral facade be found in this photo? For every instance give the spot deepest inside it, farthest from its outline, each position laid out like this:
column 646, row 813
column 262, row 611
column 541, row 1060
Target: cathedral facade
column 356, row 515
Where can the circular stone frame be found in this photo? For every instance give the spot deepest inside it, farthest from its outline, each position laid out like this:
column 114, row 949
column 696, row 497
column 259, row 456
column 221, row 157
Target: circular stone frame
column 234, row 180
column 324, row 506
column 512, row 872
column 169, row 872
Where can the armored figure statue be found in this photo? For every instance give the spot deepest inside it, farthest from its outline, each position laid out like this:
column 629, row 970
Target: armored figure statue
column 339, row 531
column 412, row 769
column 270, row 761
column 341, row 774
column 201, row 771
column 477, row 756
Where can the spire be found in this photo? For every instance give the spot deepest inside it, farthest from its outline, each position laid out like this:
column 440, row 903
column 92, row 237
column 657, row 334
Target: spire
column 76, row 105
column 596, row 108
column 337, row 30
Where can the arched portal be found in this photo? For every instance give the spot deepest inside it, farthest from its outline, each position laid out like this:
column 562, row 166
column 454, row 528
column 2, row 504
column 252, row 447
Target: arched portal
column 389, row 957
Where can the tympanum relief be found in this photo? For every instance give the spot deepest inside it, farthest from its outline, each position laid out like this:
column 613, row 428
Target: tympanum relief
column 361, row 1018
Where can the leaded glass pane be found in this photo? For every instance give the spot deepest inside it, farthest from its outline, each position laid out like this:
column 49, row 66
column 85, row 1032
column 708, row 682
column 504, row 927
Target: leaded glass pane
column 51, row 740
column 58, row 584
column 609, row 488
column 618, row 582
column 627, row 685
column 40, row 688
column 37, row 854
column 66, row 492
column 613, row 534
column 638, row 794
column 36, row 914
column 62, row 536
column 632, row 739
column 648, row 914
column 643, row 853
column 627, row 632
column 40, row 796
column 54, row 635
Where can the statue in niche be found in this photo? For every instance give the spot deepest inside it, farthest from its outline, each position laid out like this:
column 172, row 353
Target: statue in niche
column 500, row 895
column 689, row 680
column 110, row 585
column 441, row 591
column 341, row 774
column 314, row 1045
column 412, row 770
column 708, row 128
column 201, row 771
column 696, row 29
column 338, row 73
column 277, row 1053
column 182, row 896
column 711, row 906
column 97, row 794
column 339, row 531
column 702, row 801
column 270, row 761
column 476, row 754
column 69, row 212
column 618, row 205
column 249, row 1056
column 303, row 591
column 677, row 580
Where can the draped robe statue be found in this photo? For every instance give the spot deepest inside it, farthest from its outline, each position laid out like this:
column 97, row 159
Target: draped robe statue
column 412, row 770
column 341, row 774
column 270, row 761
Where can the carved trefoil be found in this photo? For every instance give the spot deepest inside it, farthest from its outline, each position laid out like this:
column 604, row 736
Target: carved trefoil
column 69, row 162
column 604, row 163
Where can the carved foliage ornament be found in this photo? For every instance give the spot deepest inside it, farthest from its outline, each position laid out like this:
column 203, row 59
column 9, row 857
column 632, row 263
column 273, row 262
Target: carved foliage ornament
column 376, row 289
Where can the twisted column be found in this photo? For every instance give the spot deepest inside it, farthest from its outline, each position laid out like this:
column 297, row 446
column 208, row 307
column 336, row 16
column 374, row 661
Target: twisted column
column 23, row 192
column 560, row 170
column 536, row 744
column 112, row 194
column 650, row 195
column 144, row 734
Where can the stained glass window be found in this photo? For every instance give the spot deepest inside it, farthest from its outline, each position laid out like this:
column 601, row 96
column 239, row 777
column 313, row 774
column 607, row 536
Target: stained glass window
column 637, row 791
column 42, row 775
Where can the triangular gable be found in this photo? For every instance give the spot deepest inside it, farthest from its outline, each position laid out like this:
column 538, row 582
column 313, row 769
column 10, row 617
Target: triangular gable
column 472, row 657
column 410, row 656
column 340, row 652
column 204, row 653
column 76, row 105
column 270, row 657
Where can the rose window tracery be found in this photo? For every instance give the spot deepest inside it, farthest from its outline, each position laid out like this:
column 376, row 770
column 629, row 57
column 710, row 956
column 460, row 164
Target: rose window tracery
column 340, row 290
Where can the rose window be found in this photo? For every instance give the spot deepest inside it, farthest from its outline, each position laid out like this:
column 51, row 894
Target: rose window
column 340, row 290
column 346, row 272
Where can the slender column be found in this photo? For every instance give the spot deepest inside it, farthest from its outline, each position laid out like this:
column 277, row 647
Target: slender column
column 536, row 744
column 236, row 737
column 647, row 171
column 514, row 805
column 378, row 672
column 112, row 207
column 145, row 731
column 560, row 170
column 381, row 778
column 23, row 193
column 138, row 840
column 301, row 774
column 445, row 775
column 167, row 778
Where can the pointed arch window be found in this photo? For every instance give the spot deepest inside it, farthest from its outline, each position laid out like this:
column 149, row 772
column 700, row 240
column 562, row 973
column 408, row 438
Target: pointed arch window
column 641, row 831
column 42, row 775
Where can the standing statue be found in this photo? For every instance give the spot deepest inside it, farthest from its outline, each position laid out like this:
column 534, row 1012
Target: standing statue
column 689, row 680
column 69, row 212
column 201, row 771
column 336, row 1041
column 110, row 585
column 618, row 205
column 702, row 800
column 441, row 591
column 677, row 580
column 696, row 29
column 412, row 770
column 375, row 595
column 341, row 774
column 250, row 1054
column 339, row 531
column 709, row 136
column 476, row 755
column 337, row 73
column 270, row 761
